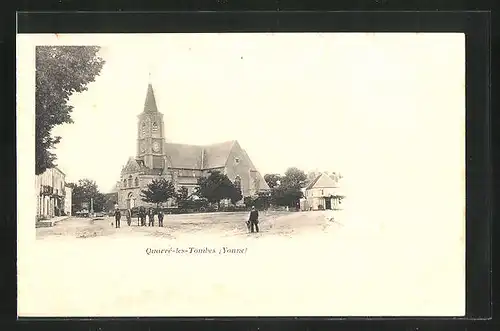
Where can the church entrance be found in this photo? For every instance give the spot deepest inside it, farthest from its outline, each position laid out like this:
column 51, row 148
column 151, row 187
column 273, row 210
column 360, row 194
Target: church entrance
column 328, row 203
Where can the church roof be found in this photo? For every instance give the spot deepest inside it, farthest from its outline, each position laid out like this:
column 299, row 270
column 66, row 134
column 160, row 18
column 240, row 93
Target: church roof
column 198, row 156
column 263, row 186
column 322, row 181
column 184, row 156
column 249, row 160
column 132, row 166
column 150, row 103
column 216, row 155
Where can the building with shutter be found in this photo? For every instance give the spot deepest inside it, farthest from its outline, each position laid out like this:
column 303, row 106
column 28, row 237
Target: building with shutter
column 53, row 197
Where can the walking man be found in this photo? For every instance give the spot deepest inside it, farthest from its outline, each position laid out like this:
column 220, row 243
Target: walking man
column 118, row 216
column 253, row 219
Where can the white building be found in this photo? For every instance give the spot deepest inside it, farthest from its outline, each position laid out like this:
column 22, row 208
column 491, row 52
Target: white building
column 51, row 193
column 322, row 193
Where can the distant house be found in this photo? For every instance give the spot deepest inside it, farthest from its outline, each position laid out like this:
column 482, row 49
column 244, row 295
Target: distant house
column 51, row 193
column 322, row 193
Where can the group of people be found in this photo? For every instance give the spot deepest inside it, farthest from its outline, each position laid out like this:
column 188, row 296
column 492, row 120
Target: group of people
column 148, row 216
column 144, row 216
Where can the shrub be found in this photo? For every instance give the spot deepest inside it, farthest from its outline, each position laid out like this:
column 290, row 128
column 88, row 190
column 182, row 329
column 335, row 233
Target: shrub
column 320, row 207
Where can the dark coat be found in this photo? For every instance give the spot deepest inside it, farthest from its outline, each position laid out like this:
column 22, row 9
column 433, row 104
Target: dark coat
column 254, row 216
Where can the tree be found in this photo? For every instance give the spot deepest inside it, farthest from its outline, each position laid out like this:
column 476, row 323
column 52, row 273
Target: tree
column 261, row 201
column 182, row 197
column 236, row 195
column 60, row 72
column 249, row 201
column 83, row 192
column 272, row 180
column 295, row 178
column 289, row 192
column 312, row 175
column 158, row 191
column 111, row 200
column 336, row 176
column 217, row 186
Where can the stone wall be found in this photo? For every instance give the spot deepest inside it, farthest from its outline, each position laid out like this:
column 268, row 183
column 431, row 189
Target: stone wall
column 238, row 164
column 134, row 192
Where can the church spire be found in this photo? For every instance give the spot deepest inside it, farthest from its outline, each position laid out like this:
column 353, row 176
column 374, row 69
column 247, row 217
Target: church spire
column 150, row 103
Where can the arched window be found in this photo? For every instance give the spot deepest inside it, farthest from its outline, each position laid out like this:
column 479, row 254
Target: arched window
column 124, row 183
column 155, row 127
column 130, row 200
column 130, row 180
column 237, row 182
column 136, row 181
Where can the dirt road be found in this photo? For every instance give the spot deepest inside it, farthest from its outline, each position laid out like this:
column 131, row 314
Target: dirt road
column 175, row 226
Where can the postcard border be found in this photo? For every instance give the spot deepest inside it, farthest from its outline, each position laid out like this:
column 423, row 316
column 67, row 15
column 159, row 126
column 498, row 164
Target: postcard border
column 476, row 25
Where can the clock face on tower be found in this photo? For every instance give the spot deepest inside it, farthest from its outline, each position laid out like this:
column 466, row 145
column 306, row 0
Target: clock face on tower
column 156, row 146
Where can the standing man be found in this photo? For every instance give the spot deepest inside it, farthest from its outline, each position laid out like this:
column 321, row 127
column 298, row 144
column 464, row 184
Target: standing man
column 254, row 220
column 128, row 214
column 151, row 216
column 142, row 213
column 118, row 215
column 139, row 211
column 160, row 218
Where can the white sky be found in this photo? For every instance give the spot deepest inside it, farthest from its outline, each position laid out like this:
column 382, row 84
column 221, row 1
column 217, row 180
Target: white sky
column 362, row 104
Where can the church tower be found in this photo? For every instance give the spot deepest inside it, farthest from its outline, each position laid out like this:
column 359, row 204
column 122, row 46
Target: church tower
column 150, row 134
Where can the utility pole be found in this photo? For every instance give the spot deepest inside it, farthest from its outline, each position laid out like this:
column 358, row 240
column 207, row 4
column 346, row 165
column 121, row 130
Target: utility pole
column 92, row 207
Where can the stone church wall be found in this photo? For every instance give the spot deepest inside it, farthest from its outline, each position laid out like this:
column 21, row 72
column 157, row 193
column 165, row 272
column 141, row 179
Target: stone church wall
column 239, row 165
column 135, row 192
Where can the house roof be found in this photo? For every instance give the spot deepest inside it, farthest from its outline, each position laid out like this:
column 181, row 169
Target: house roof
column 322, row 181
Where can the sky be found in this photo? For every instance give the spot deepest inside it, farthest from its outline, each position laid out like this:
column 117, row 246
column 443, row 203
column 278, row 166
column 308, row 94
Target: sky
column 371, row 106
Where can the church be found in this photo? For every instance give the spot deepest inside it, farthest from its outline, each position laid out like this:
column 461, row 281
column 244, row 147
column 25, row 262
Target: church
column 180, row 163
